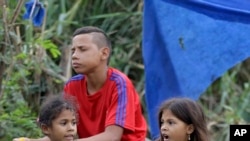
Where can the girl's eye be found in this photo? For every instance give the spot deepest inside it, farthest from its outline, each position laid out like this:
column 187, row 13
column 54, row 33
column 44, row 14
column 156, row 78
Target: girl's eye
column 170, row 122
column 161, row 122
column 63, row 123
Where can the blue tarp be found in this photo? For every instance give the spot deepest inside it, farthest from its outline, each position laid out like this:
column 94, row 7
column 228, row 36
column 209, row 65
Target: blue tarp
column 188, row 44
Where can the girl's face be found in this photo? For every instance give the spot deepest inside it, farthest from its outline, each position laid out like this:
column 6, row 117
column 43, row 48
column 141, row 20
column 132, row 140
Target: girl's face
column 173, row 129
column 63, row 127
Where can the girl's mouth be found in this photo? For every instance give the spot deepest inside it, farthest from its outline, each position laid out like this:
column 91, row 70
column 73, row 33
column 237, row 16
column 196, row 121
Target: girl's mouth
column 165, row 137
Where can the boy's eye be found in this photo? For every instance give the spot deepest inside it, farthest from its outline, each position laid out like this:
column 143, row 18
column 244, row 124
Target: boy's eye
column 82, row 49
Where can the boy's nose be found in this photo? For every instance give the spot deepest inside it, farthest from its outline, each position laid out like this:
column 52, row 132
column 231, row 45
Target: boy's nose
column 74, row 55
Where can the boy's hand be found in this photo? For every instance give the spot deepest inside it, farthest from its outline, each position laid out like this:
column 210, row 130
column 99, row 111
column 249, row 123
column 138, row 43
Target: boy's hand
column 21, row 139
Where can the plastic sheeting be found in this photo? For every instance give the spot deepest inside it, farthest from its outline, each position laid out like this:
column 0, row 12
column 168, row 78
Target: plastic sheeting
column 188, row 44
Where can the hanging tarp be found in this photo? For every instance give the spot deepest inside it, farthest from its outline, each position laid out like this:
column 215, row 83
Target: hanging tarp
column 188, row 44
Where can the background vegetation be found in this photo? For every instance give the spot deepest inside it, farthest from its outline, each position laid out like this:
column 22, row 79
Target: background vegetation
column 35, row 63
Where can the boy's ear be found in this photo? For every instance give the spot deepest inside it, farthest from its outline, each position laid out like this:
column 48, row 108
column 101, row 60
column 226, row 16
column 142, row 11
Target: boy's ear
column 105, row 51
column 45, row 129
column 190, row 129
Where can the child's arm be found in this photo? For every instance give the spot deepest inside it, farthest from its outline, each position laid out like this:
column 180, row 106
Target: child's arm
column 29, row 139
column 111, row 133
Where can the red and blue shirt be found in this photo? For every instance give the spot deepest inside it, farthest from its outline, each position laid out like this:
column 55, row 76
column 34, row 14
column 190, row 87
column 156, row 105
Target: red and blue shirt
column 116, row 103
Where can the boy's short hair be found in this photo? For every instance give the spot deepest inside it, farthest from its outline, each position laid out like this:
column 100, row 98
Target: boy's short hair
column 91, row 29
column 101, row 38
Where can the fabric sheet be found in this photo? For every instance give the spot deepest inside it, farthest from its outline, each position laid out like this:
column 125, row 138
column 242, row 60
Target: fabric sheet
column 188, row 44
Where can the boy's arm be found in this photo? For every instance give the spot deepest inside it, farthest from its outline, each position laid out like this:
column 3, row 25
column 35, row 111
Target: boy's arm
column 111, row 133
column 29, row 139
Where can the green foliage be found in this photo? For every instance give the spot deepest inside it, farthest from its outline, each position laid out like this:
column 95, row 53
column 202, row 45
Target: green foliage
column 34, row 63
column 16, row 118
column 51, row 47
column 226, row 102
column 36, row 59
column 25, row 68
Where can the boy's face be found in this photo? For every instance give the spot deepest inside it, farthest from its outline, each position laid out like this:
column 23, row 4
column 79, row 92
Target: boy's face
column 63, row 127
column 86, row 55
column 173, row 129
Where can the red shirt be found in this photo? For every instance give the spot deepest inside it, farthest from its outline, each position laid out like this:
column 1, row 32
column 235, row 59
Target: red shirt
column 117, row 102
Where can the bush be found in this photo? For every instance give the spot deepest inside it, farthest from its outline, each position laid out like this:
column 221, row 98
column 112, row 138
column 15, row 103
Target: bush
column 16, row 118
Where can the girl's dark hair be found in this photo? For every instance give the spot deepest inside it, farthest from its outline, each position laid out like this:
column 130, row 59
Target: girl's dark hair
column 53, row 106
column 188, row 111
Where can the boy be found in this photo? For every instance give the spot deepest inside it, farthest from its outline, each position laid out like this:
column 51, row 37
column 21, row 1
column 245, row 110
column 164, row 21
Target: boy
column 109, row 106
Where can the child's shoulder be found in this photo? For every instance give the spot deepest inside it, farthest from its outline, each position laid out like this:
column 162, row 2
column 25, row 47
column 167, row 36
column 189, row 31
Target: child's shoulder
column 76, row 78
column 118, row 75
column 113, row 72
